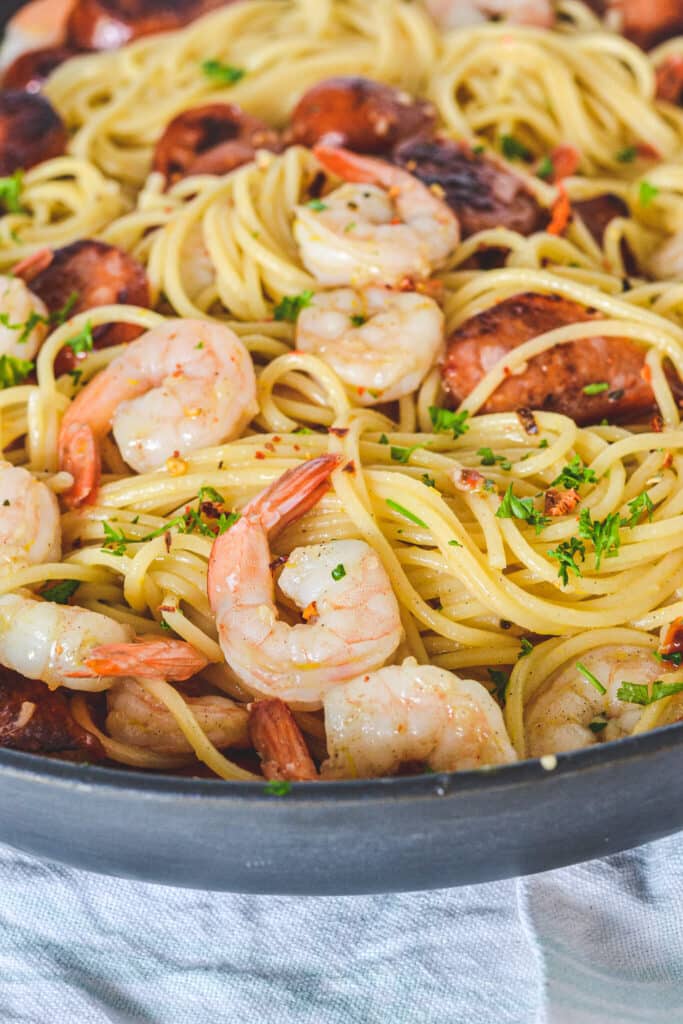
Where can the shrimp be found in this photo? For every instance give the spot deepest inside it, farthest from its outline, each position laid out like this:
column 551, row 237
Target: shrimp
column 666, row 262
column 30, row 526
column 184, row 385
column 135, row 717
column 559, row 715
column 382, row 226
column 64, row 645
column 382, row 344
column 407, row 713
column 23, row 319
column 353, row 622
column 279, row 743
column 461, row 13
column 36, row 25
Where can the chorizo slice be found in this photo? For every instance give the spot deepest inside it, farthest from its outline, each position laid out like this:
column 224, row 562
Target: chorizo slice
column 556, row 380
column 31, row 131
column 212, row 139
column 32, row 69
column 597, row 213
column 484, row 193
column 99, row 275
column 109, row 24
column 39, row 721
column 359, row 114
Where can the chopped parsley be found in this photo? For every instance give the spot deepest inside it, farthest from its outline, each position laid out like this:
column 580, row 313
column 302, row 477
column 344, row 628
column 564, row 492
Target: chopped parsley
column 303, row 430
column 513, row 149
column 10, row 192
column 603, row 534
column 640, row 693
column 60, row 591
column 500, row 681
column 596, row 389
column 646, row 193
column 640, row 504
column 225, row 74
column 598, row 724
column 488, row 458
column 14, row 371
column 674, row 658
column 277, row 787
column 592, row 679
column 33, row 319
column 383, row 439
column 339, row 572
column 317, row 204
column 291, row 305
column 83, row 341
column 525, row 647
column 566, row 554
column 444, row 420
column 512, row 507
column 428, row 480
column 627, row 155
column 192, row 520
column 115, row 540
column 357, row 319
column 406, row 513
column 574, row 475
column 454, row 544
column 545, row 169
column 400, row 454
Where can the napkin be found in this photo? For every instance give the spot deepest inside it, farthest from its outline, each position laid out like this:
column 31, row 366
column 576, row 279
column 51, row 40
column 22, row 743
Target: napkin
column 595, row 943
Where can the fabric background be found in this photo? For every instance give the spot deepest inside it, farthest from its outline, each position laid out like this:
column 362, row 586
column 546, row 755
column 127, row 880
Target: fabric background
column 599, row 942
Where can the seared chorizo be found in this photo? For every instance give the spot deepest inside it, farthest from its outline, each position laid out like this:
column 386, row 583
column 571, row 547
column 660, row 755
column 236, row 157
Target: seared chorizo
column 39, row 721
column 645, row 22
column 213, row 139
column 109, row 24
column 99, row 275
column 359, row 114
column 669, row 78
column 597, row 213
column 554, row 380
column 32, row 69
column 31, row 131
column 483, row 192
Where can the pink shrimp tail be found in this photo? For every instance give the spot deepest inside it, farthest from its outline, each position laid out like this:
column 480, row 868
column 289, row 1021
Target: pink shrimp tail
column 79, row 455
column 286, row 500
column 352, row 167
column 144, row 659
column 32, row 265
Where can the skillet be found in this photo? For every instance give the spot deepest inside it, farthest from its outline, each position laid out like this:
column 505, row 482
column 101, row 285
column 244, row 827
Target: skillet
column 384, row 835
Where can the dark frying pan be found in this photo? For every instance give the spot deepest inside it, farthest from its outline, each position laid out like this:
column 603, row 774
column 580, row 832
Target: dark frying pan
column 380, row 836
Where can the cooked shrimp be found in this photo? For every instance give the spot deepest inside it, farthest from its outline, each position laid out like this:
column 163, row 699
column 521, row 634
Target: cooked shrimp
column 461, row 13
column 36, row 25
column 381, row 227
column 559, row 715
column 382, row 344
column 182, row 386
column 24, row 317
column 30, row 528
column 278, row 741
column 135, row 717
column 353, row 623
column 65, row 645
column 407, row 713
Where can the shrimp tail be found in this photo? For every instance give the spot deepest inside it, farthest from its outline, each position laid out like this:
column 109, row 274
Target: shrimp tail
column 79, row 455
column 279, row 743
column 144, row 659
column 32, row 265
column 351, row 167
column 293, row 494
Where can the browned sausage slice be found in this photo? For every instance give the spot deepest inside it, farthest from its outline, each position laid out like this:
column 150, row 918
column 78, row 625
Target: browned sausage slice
column 597, row 213
column 359, row 114
column 30, row 70
column 30, row 131
column 555, row 380
column 109, row 24
column 483, row 193
column 99, row 275
column 213, row 139
column 38, row 720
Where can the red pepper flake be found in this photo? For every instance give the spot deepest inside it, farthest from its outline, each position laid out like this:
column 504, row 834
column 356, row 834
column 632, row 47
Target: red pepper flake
column 269, row 446
column 310, row 612
column 526, row 418
column 565, row 160
column 276, row 439
column 468, row 479
column 338, row 431
column 657, row 424
column 350, row 467
column 673, row 640
column 562, row 212
column 648, row 151
column 561, row 503
column 668, row 461
column 259, row 455
column 646, row 373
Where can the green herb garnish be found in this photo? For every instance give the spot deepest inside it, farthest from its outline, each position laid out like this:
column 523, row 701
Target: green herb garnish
column 592, row 679
column 14, row 371
column 291, row 305
column 83, row 341
column 545, row 169
column 339, row 572
column 277, row 787
column 357, row 319
column 488, row 458
column 402, row 455
column 603, row 534
column 225, row 74
column 10, row 192
column 513, row 149
column 646, row 193
column 574, row 475
column 60, row 591
column 512, row 507
column 566, row 554
column 627, row 155
column 317, row 204
column 640, row 504
column 406, row 513
column 444, row 421
column 596, row 389
column 640, row 693
column 500, row 681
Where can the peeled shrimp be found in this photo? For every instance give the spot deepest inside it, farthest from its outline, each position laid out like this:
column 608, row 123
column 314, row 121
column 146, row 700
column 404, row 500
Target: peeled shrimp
column 30, row 527
column 278, row 741
column 382, row 344
column 36, row 25
column 135, row 717
column 19, row 307
column 461, row 13
column 666, row 262
column 407, row 713
column 65, row 645
column 353, row 623
column 184, row 385
column 558, row 716
column 383, row 226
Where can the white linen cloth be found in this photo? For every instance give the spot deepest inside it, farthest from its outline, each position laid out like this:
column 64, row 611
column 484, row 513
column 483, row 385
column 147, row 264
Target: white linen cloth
column 593, row 944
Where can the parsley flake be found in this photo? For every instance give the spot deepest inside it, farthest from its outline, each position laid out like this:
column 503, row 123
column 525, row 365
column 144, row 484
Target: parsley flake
column 627, row 155
column 444, row 420
column 402, row 455
column 640, row 693
column 488, row 458
column 640, row 504
column 592, row 679
column 277, row 787
column 646, row 193
column 339, row 572
column 290, row 306
column 513, row 149
column 500, row 681
column 512, row 507
column 14, row 371
column 596, row 389
column 316, row 204
column 224, row 74
column 406, row 513
column 545, row 169
column 60, row 591
column 574, row 475
column 83, row 341
column 10, row 192
column 566, row 554
column 357, row 319
column 603, row 534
